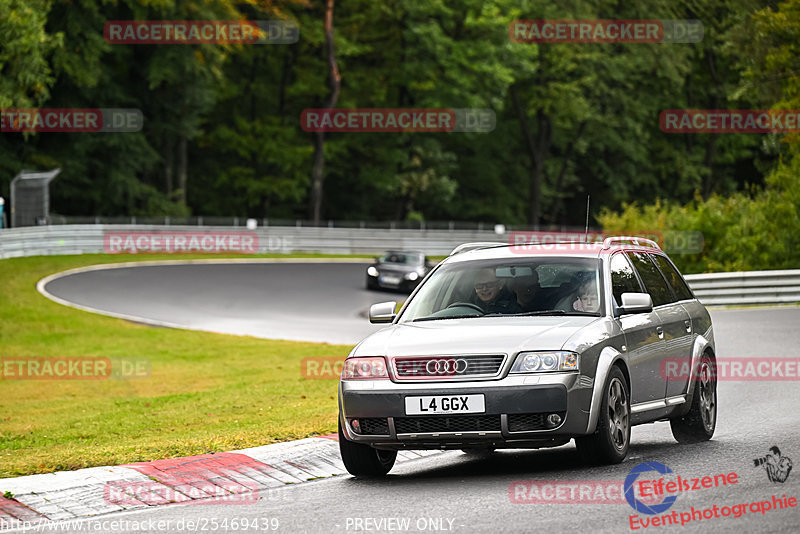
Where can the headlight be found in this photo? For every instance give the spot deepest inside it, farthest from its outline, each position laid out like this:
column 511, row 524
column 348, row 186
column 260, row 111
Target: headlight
column 412, row 276
column 542, row 362
column 364, row 369
column 372, row 271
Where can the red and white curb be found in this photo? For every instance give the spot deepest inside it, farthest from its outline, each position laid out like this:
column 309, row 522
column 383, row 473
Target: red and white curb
column 237, row 477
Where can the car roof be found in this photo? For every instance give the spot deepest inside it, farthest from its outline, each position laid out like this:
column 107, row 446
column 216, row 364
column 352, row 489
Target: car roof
column 579, row 250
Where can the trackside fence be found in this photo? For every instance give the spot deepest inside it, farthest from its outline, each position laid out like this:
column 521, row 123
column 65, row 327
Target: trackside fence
column 736, row 288
column 88, row 239
column 750, row 287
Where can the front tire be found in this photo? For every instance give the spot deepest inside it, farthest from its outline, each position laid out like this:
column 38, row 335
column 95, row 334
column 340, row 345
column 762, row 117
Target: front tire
column 610, row 442
column 699, row 423
column 363, row 460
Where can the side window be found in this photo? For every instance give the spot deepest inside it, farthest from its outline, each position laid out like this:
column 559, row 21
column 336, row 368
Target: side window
column 623, row 279
column 674, row 278
column 651, row 276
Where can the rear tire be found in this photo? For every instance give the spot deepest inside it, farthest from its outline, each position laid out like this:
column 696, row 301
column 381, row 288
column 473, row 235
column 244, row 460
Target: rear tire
column 699, row 423
column 610, row 442
column 363, row 460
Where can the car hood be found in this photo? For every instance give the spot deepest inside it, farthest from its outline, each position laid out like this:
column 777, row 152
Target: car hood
column 487, row 335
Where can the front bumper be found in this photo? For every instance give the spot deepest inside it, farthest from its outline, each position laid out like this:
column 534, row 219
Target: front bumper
column 515, row 411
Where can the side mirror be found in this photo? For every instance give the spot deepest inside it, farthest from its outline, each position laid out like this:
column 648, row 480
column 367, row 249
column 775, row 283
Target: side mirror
column 383, row 312
column 636, row 303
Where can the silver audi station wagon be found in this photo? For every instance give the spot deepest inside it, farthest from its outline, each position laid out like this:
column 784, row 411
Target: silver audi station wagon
column 529, row 346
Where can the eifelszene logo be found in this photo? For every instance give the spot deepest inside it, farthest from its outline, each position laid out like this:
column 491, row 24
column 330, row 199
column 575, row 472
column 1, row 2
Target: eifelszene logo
column 638, row 505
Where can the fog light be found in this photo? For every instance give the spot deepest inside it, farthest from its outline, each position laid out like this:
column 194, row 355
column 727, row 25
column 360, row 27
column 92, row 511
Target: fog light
column 354, row 424
column 553, row 420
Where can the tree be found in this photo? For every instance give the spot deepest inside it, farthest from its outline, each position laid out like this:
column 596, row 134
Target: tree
column 25, row 51
column 335, row 80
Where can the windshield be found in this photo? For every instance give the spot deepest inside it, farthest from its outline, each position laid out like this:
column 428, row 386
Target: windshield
column 402, row 258
column 490, row 288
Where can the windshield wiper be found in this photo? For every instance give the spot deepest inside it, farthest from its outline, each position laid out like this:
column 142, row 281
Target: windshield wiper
column 524, row 314
column 539, row 312
column 554, row 312
column 447, row 317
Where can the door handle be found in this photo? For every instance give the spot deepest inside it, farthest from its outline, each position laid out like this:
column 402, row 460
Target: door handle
column 660, row 332
column 688, row 324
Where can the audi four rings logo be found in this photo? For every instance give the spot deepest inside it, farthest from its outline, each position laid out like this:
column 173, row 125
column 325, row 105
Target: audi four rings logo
column 445, row 367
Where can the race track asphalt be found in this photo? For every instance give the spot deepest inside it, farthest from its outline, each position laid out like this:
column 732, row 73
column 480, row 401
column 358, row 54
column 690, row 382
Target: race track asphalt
column 297, row 301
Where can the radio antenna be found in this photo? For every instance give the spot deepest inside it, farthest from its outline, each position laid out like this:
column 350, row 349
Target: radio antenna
column 586, row 235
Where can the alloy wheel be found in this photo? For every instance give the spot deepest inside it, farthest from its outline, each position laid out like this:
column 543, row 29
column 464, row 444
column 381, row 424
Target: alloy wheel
column 708, row 395
column 618, row 415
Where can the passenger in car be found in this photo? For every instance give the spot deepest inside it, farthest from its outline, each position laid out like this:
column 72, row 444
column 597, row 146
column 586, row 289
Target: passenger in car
column 492, row 295
column 528, row 290
column 587, row 299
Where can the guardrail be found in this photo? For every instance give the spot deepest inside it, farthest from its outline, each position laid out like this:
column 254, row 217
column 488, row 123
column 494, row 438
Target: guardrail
column 200, row 220
column 754, row 287
column 88, row 239
column 746, row 287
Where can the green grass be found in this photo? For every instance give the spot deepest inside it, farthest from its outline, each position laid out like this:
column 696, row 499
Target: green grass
column 205, row 393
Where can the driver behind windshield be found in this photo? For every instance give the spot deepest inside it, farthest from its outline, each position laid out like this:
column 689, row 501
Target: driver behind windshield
column 527, row 290
column 492, row 294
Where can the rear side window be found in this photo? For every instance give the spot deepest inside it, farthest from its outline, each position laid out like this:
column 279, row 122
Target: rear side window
column 674, row 278
column 623, row 279
column 654, row 283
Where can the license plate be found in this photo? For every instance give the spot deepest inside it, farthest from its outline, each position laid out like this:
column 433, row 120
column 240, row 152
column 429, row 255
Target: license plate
column 445, row 404
column 390, row 279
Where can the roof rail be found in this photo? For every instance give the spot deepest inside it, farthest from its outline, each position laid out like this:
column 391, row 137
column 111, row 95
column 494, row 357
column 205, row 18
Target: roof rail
column 466, row 247
column 617, row 240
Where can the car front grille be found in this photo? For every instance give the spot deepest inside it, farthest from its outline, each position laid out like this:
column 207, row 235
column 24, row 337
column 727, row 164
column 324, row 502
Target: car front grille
column 435, row 367
column 374, row 426
column 460, row 423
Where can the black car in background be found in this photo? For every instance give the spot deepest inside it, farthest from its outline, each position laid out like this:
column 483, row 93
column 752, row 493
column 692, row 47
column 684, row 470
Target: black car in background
column 399, row 270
